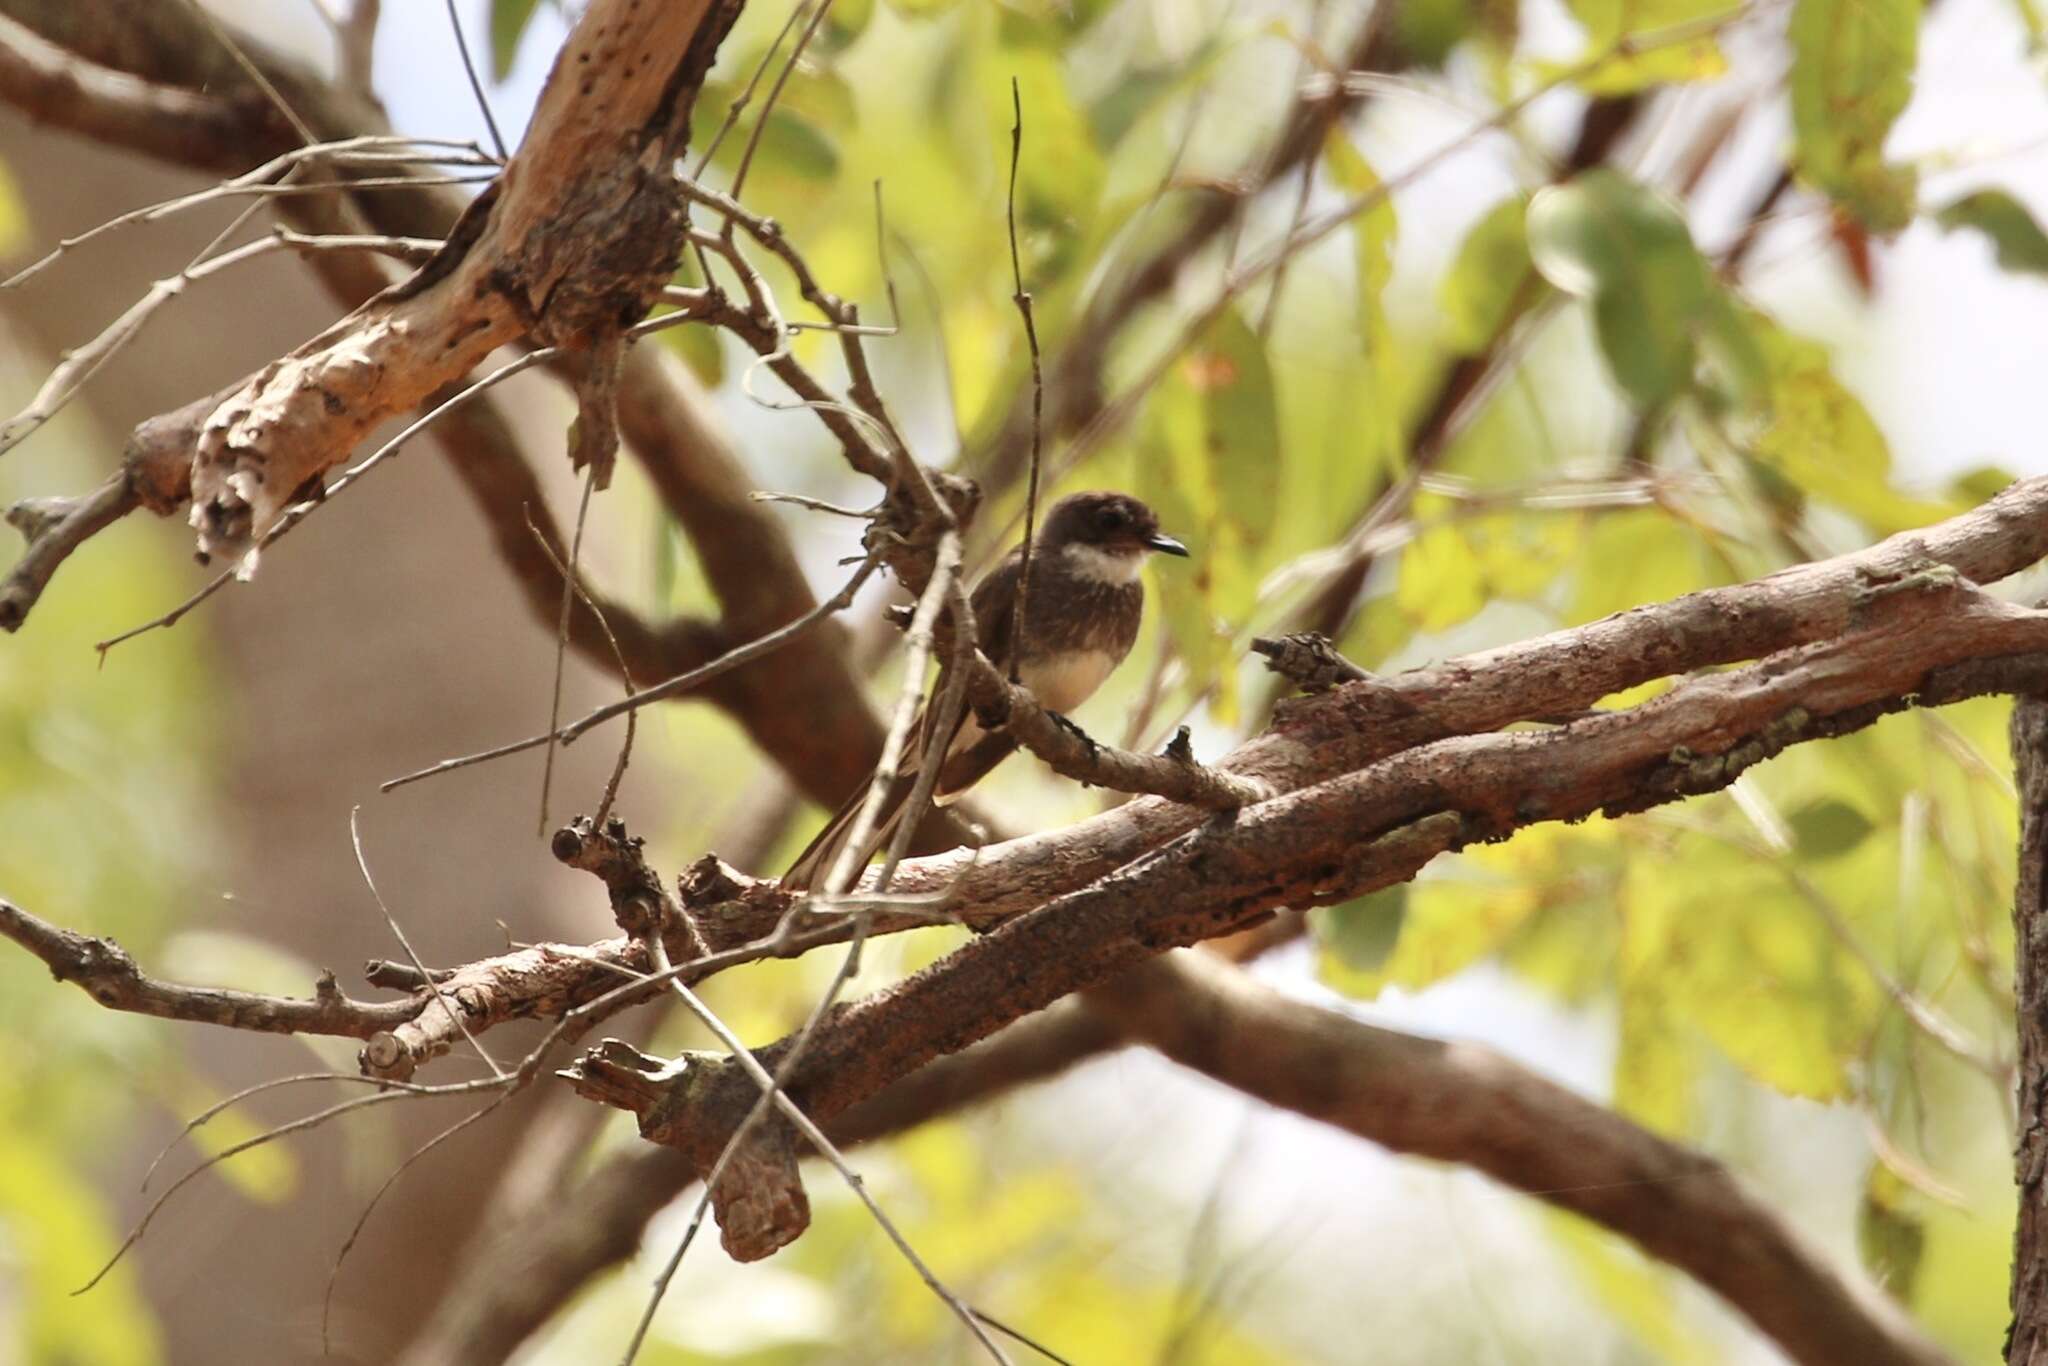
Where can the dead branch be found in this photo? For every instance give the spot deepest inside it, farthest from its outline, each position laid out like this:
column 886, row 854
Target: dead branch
column 109, row 974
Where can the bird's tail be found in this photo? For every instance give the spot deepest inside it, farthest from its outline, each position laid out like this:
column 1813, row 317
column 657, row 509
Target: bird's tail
column 812, row 865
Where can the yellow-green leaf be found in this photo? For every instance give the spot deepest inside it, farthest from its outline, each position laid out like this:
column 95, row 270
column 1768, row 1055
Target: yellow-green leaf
column 1852, row 74
column 1373, row 231
column 1242, row 418
column 1622, row 36
column 1824, row 443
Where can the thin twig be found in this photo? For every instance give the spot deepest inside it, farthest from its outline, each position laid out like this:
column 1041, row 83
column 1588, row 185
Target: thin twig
column 681, row 683
column 272, row 1135
column 253, row 71
column 739, row 175
column 917, row 654
column 836, row 881
column 476, row 85
column 611, row 788
column 825, row 1148
column 738, row 106
column 355, row 835
column 345, row 151
column 1022, row 298
column 369, row 1208
column 226, row 1103
column 547, row 771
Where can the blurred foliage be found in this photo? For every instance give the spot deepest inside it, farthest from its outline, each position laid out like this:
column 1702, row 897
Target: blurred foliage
column 1832, row 929
column 104, row 790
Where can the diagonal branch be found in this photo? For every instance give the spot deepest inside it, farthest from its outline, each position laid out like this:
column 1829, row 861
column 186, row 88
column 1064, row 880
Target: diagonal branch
column 1463, row 1103
column 1921, row 643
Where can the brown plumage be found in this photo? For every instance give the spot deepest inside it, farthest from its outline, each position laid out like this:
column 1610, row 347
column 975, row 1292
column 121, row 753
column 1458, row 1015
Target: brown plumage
column 1085, row 605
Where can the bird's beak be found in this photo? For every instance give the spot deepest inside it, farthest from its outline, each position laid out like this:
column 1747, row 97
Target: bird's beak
column 1160, row 541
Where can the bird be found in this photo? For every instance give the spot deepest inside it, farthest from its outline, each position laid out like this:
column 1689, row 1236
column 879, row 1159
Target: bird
column 1083, row 606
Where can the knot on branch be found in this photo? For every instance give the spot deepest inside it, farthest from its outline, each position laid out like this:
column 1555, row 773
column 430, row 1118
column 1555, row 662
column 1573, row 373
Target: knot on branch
column 640, row 903
column 696, row 1104
column 1308, row 660
column 728, row 908
column 905, row 532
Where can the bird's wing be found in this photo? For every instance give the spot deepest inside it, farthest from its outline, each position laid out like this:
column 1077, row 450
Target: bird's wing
column 994, row 602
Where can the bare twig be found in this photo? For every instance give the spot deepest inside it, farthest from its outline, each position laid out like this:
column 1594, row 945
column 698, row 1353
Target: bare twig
column 54, row 527
column 547, row 772
column 355, row 835
column 1022, row 298
column 476, row 85
column 611, row 787
column 682, row 683
column 739, row 175
column 825, row 1148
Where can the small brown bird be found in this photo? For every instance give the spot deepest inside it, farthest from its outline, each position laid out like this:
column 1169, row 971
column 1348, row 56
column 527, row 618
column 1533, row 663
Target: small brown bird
column 1085, row 604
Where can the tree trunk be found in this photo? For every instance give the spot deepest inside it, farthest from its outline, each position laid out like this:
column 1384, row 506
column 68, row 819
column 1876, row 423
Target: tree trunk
column 2027, row 1340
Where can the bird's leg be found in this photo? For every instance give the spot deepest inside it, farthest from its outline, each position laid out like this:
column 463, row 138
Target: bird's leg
column 1066, row 724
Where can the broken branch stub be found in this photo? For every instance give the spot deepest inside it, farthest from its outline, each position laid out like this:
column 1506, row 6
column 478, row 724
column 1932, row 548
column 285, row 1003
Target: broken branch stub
column 569, row 246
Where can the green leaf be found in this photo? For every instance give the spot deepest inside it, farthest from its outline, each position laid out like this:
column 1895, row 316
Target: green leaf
column 1627, row 29
column 1852, row 74
column 701, row 350
column 1242, row 437
column 1427, row 30
column 1626, row 249
column 794, row 144
column 1177, row 474
column 1359, row 935
column 1440, row 584
column 844, row 22
column 1373, row 231
column 1978, row 484
column 1828, row 829
column 1491, row 280
column 2021, row 244
column 509, row 19
column 1890, row 1237
column 1824, row 443
column 1635, row 1290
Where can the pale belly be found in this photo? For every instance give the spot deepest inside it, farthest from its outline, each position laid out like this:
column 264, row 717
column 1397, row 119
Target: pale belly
column 1060, row 685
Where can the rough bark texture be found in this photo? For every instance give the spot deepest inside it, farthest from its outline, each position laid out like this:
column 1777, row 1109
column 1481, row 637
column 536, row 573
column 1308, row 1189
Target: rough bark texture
column 2027, row 1344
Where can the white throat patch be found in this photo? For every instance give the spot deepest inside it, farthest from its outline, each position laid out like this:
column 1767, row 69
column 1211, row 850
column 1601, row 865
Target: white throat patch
column 1092, row 562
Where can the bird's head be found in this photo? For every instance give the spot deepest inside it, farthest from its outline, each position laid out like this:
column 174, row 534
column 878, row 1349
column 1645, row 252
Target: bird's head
column 1108, row 532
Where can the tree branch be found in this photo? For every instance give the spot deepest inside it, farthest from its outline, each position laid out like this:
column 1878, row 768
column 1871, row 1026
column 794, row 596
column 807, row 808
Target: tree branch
column 1924, row 640
column 1464, row 1103
column 2027, row 1337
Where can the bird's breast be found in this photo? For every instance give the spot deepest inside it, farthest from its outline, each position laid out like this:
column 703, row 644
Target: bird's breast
column 1064, row 679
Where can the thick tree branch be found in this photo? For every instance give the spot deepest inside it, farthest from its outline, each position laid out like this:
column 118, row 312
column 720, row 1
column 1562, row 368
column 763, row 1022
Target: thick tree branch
column 52, row 84
column 1316, row 738
column 1929, row 642
column 1464, row 1103
column 807, row 709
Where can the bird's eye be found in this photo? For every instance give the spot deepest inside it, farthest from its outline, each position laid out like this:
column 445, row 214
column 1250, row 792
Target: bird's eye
column 1111, row 519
